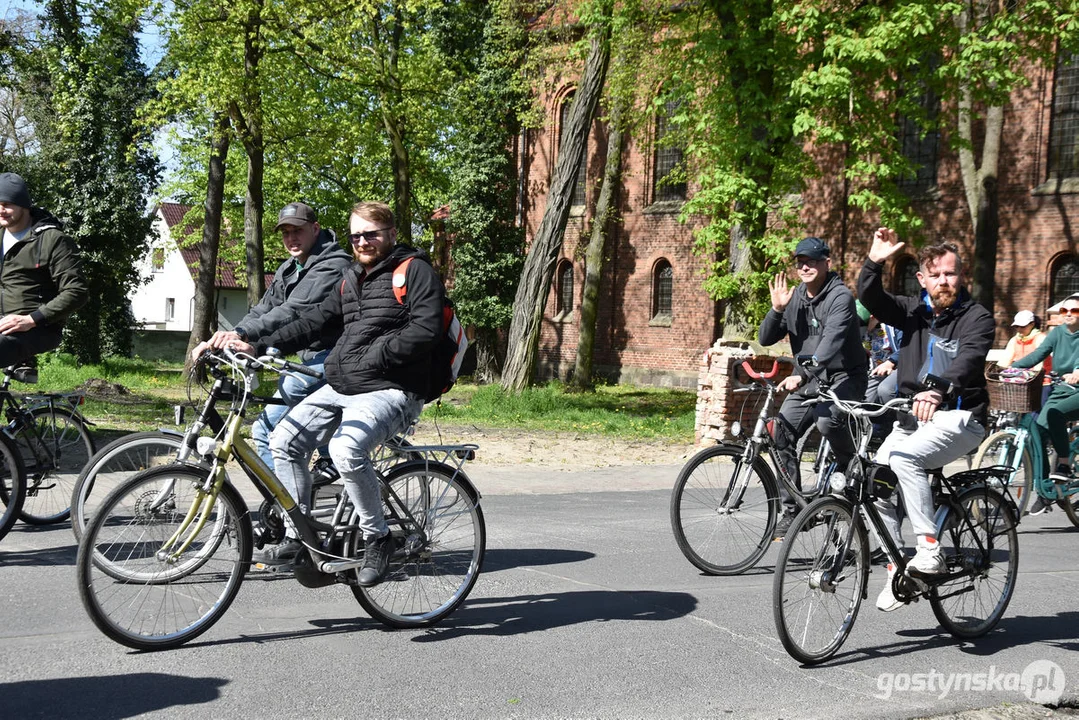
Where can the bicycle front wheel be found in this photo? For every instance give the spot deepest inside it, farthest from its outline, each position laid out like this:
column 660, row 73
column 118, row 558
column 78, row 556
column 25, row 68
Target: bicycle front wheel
column 436, row 564
column 12, row 484
column 818, row 588
column 115, row 463
column 981, row 549
column 723, row 510
column 1002, row 448
column 55, row 446
column 140, row 593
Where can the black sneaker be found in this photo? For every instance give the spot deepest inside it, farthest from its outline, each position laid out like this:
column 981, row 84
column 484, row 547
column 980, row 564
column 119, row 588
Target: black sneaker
column 783, row 526
column 1040, row 506
column 277, row 556
column 376, row 560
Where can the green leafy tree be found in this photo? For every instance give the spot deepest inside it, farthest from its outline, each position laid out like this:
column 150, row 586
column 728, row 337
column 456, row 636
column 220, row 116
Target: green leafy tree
column 82, row 85
column 874, row 64
column 486, row 243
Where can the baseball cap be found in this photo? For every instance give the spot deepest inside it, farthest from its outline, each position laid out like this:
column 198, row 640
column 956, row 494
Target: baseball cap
column 295, row 213
column 813, row 248
column 1023, row 318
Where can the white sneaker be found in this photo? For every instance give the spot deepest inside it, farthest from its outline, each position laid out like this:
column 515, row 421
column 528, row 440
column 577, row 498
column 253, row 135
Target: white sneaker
column 928, row 560
column 886, row 601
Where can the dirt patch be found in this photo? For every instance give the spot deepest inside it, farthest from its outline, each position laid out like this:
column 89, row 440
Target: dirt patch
column 501, row 447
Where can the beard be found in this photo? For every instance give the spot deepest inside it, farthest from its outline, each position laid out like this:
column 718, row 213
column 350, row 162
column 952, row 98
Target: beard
column 943, row 297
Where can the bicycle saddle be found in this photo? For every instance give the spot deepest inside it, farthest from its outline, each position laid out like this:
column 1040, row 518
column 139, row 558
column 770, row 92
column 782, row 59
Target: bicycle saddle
column 22, row 372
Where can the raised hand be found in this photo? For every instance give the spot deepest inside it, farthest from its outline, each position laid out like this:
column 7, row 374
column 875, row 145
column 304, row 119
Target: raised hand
column 885, row 244
column 780, row 291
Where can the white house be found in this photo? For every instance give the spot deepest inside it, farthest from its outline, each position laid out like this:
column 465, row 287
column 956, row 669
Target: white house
column 167, row 301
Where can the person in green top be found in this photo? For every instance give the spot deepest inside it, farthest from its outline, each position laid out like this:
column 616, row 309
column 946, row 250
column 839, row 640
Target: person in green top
column 1062, row 343
column 41, row 278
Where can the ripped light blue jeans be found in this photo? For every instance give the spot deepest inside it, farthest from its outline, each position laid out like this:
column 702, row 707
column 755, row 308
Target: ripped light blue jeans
column 354, row 425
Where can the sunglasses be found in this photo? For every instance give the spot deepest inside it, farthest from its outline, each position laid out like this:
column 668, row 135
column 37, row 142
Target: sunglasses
column 369, row 236
column 1073, row 311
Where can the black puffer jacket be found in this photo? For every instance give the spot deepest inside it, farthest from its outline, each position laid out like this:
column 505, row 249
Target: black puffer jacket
column 966, row 324
column 292, row 290
column 42, row 275
column 384, row 344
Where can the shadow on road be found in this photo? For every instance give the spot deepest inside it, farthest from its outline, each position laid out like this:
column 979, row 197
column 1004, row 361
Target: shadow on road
column 507, row 559
column 109, row 697
column 1061, row 630
column 535, row 613
column 64, row 555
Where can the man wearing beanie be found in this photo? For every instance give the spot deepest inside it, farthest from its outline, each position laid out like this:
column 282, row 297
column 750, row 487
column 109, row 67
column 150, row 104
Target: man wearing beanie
column 41, row 281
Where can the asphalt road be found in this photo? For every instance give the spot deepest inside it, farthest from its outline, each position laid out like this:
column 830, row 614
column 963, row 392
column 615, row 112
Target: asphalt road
column 585, row 608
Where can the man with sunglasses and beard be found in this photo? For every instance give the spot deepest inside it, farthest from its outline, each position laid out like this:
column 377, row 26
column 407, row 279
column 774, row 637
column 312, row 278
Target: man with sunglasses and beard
column 1062, row 406
column 946, row 336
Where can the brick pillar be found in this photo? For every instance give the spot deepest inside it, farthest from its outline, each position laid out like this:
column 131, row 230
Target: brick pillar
column 717, row 406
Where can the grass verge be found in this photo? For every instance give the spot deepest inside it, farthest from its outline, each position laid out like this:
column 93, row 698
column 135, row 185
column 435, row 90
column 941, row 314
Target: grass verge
column 628, row 412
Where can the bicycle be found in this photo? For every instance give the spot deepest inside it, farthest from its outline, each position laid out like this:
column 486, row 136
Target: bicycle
column 53, row 443
column 726, row 498
column 1020, row 449
column 823, row 568
column 133, row 453
column 165, row 554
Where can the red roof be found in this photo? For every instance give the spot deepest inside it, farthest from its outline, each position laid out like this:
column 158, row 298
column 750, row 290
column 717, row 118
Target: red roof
column 173, row 213
column 227, row 272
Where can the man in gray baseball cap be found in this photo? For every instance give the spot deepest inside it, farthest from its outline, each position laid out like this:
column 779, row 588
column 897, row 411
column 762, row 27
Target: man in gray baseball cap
column 41, row 280
column 313, row 271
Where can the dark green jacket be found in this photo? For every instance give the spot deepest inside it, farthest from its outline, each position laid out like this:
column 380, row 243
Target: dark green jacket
column 42, row 275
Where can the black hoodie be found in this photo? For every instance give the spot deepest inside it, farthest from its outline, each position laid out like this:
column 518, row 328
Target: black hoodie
column 825, row 325
column 966, row 324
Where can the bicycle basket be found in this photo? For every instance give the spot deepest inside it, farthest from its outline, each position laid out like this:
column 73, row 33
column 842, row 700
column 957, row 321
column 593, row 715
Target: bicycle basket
column 1013, row 391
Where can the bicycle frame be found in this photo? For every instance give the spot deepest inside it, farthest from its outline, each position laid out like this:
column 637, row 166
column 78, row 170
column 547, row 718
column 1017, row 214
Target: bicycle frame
column 761, row 439
column 1028, row 440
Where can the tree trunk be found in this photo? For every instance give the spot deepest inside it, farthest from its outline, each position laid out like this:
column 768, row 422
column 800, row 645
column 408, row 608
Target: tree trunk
column 489, row 355
column 248, row 122
column 980, row 186
column 606, row 209
column 394, row 122
column 531, row 297
column 205, row 310
column 740, row 259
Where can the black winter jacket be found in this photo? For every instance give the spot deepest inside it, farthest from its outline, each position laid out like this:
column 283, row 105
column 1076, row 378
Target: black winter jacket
column 383, row 344
column 825, row 325
column 42, row 275
column 966, row 324
column 292, row 290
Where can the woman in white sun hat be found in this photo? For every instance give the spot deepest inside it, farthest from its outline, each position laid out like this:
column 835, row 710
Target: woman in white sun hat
column 1027, row 337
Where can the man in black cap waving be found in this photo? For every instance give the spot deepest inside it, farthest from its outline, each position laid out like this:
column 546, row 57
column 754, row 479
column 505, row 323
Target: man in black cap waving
column 312, row 272
column 41, row 281
column 820, row 318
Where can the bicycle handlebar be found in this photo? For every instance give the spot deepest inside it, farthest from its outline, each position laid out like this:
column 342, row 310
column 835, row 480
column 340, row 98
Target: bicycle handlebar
column 860, row 409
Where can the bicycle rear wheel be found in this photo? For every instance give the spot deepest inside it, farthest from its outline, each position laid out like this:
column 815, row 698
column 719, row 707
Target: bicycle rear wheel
column 1001, row 448
column 816, row 594
column 146, row 599
column 55, row 446
column 984, row 557
column 115, row 463
column 723, row 511
column 428, row 577
column 12, row 484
